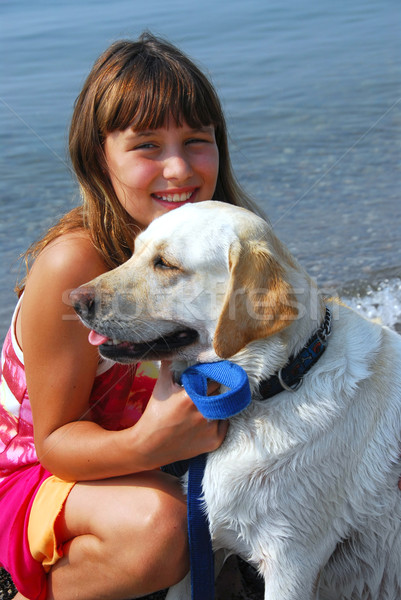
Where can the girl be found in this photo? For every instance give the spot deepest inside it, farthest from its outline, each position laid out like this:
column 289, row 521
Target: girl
column 85, row 511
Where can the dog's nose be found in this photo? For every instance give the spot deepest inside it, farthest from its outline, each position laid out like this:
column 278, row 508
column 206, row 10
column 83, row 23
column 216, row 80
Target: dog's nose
column 83, row 301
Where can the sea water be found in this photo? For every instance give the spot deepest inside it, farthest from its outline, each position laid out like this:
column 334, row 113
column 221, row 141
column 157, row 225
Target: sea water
column 312, row 95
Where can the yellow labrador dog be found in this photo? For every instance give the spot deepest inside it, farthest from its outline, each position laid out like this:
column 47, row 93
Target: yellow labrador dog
column 304, row 486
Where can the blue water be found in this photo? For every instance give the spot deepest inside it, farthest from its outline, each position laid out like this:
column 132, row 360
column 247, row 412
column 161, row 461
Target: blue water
column 312, row 94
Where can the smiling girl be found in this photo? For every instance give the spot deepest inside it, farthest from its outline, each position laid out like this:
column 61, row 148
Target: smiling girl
column 85, row 511
column 158, row 170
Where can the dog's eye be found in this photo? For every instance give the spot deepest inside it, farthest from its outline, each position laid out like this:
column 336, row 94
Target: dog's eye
column 161, row 263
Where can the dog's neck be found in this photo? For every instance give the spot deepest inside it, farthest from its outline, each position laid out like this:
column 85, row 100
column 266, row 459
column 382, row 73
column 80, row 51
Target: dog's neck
column 263, row 358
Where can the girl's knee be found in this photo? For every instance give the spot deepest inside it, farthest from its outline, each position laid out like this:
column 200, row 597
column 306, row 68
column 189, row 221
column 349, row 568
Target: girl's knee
column 141, row 524
column 167, row 526
column 155, row 551
column 167, row 538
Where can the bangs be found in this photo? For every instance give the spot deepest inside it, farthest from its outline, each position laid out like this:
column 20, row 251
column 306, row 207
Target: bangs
column 151, row 89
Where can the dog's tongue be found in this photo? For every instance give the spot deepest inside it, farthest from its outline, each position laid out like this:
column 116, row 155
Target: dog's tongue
column 96, row 339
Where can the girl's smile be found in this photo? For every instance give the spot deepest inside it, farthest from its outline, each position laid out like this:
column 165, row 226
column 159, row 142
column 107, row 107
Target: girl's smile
column 161, row 169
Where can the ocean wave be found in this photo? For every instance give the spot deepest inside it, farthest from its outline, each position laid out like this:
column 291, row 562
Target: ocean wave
column 381, row 301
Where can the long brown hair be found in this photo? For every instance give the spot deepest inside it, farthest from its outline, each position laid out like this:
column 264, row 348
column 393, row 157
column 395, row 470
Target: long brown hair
column 143, row 82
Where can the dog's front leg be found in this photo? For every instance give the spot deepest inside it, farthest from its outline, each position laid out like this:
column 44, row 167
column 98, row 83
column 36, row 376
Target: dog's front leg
column 286, row 590
column 291, row 581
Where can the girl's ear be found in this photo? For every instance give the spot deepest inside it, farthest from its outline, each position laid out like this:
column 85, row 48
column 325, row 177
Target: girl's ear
column 258, row 302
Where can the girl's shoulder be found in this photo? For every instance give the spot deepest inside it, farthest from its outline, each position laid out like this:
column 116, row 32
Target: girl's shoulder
column 71, row 258
column 65, row 263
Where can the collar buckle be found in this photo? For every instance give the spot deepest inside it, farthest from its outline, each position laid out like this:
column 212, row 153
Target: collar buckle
column 285, row 386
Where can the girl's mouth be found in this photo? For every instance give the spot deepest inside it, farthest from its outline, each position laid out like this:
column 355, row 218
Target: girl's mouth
column 174, row 197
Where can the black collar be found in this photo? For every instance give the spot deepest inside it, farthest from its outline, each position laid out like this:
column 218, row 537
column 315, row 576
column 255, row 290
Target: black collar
column 291, row 375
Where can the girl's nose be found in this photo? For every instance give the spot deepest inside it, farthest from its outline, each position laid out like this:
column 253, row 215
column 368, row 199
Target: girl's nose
column 177, row 166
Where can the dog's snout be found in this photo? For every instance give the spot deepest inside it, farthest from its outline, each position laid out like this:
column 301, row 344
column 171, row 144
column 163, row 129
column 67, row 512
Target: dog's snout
column 83, row 301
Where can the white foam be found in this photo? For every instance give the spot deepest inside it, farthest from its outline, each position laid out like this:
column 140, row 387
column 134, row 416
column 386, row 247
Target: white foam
column 383, row 302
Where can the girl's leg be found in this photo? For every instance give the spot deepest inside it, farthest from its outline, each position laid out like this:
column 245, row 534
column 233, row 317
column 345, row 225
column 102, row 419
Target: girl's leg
column 124, row 538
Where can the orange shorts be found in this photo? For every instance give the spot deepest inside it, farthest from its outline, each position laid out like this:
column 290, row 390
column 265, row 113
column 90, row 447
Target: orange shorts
column 42, row 531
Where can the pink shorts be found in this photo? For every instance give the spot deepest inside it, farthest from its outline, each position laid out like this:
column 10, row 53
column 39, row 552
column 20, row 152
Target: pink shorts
column 31, row 500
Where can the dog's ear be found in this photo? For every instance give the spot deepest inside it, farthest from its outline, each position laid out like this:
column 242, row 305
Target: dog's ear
column 258, row 302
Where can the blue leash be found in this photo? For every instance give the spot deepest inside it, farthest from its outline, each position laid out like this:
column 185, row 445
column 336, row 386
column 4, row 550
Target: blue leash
column 222, row 406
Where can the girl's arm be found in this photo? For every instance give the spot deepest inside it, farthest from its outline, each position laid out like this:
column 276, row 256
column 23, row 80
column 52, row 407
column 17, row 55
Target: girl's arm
column 60, row 368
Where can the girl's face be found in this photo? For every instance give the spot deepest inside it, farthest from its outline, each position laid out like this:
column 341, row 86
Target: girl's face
column 158, row 170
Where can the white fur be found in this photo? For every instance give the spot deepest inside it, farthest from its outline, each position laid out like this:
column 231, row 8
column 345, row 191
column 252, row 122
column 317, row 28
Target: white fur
column 304, row 486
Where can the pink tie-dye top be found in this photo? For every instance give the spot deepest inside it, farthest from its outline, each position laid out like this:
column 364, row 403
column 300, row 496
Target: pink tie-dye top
column 118, row 398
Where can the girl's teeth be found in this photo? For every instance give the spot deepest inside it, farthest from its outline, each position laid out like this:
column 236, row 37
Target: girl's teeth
column 177, row 197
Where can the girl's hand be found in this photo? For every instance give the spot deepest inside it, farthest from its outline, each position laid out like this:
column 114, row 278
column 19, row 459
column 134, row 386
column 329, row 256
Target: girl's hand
column 172, row 428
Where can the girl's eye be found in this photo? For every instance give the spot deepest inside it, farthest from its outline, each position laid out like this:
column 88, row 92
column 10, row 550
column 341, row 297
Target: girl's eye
column 147, row 146
column 198, row 141
column 161, row 263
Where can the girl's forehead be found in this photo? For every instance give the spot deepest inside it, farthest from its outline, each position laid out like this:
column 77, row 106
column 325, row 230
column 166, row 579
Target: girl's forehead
column 141, row 122
column 153, row 106
column 170, row 124
column 170, row 120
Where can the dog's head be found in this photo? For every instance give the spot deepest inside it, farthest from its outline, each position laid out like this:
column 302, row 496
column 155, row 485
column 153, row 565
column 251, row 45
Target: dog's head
column 205, row 280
